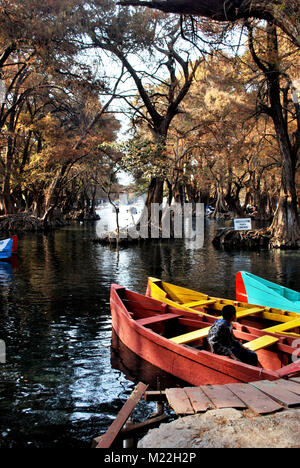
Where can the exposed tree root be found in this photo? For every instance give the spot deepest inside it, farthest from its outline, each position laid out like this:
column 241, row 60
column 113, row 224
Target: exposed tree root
column 260, row 238
column 26, row 222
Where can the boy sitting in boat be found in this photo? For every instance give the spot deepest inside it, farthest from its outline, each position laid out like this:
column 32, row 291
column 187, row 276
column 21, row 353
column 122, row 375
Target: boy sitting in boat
column 222, row 340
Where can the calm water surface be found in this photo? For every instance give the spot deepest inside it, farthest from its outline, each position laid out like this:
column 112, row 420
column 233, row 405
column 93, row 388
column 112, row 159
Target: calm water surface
column 62, row 384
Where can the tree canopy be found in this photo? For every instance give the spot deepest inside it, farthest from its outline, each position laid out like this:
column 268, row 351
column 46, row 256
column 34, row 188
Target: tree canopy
column 207, row 121
column 284, row 13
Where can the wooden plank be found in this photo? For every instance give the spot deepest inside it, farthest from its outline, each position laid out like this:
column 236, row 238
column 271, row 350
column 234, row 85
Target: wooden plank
column 291, row 386
column 246, row 312
column 171, row 293
column 279, row 394
column 199, row 400
column 290, row 335
column 157, row 292
column 183, row 295
column 295, row 379
column 199, row 303
column 156, row 319
column 136, row 429
column 261, row 343
column 108, row 438
column 179, row 401
column 278, row 317
column 256, row 400
column 191, row 336
column 222, row 397
column 289, row 370
column 284, row 326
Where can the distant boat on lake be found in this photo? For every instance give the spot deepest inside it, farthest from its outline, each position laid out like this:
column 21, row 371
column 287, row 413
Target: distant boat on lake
column 256, row 290
column 8, row 247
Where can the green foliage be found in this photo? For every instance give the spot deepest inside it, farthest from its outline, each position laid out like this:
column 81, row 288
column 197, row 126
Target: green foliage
column 144, row 158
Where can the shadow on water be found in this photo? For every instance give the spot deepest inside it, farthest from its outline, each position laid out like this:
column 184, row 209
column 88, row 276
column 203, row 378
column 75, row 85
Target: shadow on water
column 61, row 384
column 136, row 369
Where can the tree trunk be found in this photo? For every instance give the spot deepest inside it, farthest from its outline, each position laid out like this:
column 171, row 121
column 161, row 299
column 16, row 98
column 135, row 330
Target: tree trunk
column 285, row 227
column 232, row 198
column 53, row 194
column 178, row 193
column 154, row 195
column 7, row 201
column 92, row 212
column 285, row 230
column 220, row 207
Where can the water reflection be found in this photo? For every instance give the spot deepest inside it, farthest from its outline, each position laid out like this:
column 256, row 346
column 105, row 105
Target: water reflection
column 61, row 386
column 135, row 368
column 6, row 273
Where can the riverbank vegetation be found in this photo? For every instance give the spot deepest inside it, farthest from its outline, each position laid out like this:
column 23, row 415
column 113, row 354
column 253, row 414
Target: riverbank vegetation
column 210, row 108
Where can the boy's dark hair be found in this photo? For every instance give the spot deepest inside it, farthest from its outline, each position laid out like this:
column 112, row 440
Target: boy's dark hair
column 228, row 312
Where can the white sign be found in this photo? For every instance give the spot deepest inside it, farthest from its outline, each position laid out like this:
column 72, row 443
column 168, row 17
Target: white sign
column 243, row 224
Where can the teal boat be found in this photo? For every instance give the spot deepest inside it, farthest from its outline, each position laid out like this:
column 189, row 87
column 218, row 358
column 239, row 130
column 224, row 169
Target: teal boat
column 256, row 290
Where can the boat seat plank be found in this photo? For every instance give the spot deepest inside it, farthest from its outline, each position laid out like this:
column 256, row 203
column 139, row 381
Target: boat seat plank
column 284, row 326
column 256, row 400
column 246, row 312
column 222, row 397
column 157, row 319
column 277, row 317
column 199, row 303
column 179, row 401
column 279, row 394
column 260, row 343
column 199, row 399
column 290, row 335
column 191, row 336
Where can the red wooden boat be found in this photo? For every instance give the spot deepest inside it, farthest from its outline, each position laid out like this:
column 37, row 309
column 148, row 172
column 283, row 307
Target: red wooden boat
column 175, row 341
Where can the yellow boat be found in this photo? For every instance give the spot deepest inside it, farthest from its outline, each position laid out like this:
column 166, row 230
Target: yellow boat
column 265, row 318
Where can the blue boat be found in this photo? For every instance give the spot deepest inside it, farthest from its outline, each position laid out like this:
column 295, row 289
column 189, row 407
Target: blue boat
column 255, row 290
column 6, row 247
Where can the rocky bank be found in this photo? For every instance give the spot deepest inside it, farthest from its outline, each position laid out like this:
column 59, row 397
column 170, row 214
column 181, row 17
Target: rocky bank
column 228, row 428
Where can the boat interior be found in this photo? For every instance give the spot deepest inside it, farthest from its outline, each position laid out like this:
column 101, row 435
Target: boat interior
column 191, row 330
column 265, row 318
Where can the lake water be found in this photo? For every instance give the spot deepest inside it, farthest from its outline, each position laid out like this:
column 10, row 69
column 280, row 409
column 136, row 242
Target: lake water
column 61, row 384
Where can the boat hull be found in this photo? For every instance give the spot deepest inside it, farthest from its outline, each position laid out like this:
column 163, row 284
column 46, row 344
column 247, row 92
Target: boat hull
column 189, row 364
column 15, row 244
column 6, row 247
column 255, row 290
